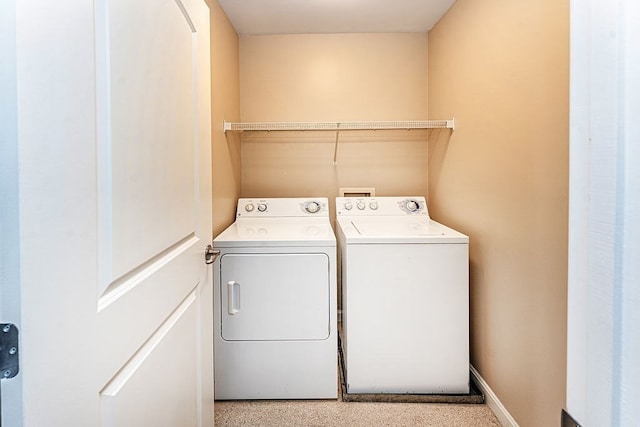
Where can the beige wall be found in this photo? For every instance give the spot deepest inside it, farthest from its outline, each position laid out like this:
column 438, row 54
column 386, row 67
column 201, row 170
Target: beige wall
column 225, row 99
column 336, row 77
column 501, row 69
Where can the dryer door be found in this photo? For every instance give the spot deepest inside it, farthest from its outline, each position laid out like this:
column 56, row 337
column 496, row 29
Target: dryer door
column 274, row 297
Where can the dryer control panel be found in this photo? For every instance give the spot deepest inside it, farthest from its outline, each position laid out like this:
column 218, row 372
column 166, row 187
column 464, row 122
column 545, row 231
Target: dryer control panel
column 381, row 206
column 282, row 207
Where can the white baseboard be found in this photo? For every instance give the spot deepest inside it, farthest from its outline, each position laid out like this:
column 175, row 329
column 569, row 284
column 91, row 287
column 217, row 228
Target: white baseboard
column 492, row 401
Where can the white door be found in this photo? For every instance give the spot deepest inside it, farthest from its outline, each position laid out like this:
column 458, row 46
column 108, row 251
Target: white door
column 107, row 212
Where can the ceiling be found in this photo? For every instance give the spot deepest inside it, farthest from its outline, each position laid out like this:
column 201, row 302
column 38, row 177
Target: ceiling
column 334, row 16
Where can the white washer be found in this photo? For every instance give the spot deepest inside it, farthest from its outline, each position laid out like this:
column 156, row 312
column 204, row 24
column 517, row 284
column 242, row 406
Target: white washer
column 275, row 297
column 405, row 298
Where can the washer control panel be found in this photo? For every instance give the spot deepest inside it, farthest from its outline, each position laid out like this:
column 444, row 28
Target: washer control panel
column 282, row 207
column 378, row 206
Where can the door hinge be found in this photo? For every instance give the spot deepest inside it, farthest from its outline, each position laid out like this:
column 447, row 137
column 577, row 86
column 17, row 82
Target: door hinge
column 210, row 254
column 567, row 420
column 9, row 355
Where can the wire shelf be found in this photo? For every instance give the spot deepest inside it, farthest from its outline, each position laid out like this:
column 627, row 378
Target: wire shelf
column 302, row 126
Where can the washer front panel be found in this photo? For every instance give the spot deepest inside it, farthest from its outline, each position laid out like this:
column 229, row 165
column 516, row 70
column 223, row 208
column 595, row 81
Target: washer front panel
column 405, row 318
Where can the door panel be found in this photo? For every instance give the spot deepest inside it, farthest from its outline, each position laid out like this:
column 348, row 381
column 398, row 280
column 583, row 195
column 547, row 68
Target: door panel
column 140, row 310
column 147, row 124
column 161, row 375
column 270, row 297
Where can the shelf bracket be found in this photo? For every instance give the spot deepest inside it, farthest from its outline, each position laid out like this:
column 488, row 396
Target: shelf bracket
column 335, row 148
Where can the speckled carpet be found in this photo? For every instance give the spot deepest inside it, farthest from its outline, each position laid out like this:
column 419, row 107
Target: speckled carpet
column 338, row 413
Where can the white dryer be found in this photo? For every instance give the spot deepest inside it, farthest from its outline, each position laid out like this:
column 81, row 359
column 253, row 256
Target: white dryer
column 275, row 297
column 405, row 298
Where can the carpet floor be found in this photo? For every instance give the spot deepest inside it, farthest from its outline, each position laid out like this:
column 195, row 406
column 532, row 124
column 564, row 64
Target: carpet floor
column 338, row 413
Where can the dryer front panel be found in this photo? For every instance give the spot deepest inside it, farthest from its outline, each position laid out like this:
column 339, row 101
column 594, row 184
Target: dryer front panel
column 274, row 297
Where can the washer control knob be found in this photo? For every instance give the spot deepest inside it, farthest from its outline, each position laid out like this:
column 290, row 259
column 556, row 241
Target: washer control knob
column 249, row 207
column 262, row 207
column 373, row 205
column 348, row 206
column 360, row 205
column 312, row 207
column 412, row 205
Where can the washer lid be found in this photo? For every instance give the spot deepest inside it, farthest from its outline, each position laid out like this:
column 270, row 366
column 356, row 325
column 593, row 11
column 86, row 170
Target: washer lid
column 396, row 226
column 393, row 229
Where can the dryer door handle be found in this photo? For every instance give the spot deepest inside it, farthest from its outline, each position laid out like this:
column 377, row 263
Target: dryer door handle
column 233, row 297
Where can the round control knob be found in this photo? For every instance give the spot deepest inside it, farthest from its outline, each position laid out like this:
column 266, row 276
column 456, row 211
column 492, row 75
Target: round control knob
column 373, row 205
column 312, row 207
column 262, row 207
column 348, row 206
column 412, row 205
column 360, row 205
column 249, row 207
